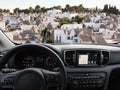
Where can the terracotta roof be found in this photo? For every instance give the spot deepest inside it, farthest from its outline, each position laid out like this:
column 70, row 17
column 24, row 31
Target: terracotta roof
column 99, row 39
column 116, row 40
column 85, row 37
column 26, row 22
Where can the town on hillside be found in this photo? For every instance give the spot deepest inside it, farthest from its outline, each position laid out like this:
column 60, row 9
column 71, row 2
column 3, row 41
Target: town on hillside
column 74, row 24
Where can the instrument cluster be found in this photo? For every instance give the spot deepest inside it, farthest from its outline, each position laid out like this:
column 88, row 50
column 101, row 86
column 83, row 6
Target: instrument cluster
column 32, row 59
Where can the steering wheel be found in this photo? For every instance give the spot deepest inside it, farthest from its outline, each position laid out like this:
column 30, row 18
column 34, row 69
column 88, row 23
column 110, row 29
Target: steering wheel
column 32, row 78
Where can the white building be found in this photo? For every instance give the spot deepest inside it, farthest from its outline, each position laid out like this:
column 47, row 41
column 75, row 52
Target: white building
column 58, row 13
column 95, row 18
column 71, row 26
column 54, row 11
column 67, row 33
column 11, row 19
column 109, row 34
column 102, row 31
column 63, row 36
column 92, row 24
column 5, row 18
column 70, row 36
column 51, row 20
column 119, row 22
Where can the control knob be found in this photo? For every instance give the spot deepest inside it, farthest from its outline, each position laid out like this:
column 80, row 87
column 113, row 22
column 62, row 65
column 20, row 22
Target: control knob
column 75, row 84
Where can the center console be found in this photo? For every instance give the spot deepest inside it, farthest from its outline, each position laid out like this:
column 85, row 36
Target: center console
column 85, row 59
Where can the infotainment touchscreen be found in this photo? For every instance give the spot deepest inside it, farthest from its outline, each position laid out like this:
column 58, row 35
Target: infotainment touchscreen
column 88, row 58
column 83, row 59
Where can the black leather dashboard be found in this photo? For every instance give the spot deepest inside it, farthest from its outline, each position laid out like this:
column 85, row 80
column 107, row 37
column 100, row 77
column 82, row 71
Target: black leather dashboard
column 96, row 76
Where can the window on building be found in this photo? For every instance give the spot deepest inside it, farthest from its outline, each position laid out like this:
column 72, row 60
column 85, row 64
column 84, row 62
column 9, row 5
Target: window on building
column 68, row 37
column 72, row 38
column 76, row 40
column 58, row 39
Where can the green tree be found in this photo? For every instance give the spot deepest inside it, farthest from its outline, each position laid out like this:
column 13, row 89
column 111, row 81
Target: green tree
column 31, row 9
column 77, row 9
column 79, row 19
column 73, row 9
column 67, row 8
column 96, row 9
column 10, row 29
column 26, row 11
column 105, row 8
column 50, row 40
column 57, row 7
column 64, row 20
column 83, row 25
column 111, row 9
column 37, row 9
column 0, row 10
column 81, row 8
column 43, row 9
column 16, row 10
column 6, row 11
column 12, row 14
column 45, row 34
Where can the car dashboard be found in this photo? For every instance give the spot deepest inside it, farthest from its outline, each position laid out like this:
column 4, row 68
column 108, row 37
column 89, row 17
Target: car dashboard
column 91, row 67
column 88, row 67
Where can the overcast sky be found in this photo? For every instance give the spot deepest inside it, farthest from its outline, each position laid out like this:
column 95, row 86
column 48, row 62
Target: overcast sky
column 22, row 4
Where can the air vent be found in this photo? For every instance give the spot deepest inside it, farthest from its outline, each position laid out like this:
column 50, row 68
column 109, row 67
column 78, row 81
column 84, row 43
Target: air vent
column 1, row 56
column 2, row 53
column 70, row 57
column 106, row 57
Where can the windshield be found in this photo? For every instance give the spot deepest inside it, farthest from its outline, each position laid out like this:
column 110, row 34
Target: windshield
column 61, row 21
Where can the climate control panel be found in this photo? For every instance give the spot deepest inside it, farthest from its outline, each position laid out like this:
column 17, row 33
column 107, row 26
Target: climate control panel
column 86, row 80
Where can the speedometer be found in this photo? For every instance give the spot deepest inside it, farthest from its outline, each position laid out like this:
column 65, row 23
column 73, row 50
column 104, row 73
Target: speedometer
column 28, row 62
column 50, row 63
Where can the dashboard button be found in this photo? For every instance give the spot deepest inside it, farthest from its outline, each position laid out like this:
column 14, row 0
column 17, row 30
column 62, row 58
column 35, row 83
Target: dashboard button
column 75, row 84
